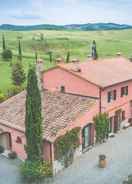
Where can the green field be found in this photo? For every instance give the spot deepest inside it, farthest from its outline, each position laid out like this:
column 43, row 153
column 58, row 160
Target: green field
column 59, row 42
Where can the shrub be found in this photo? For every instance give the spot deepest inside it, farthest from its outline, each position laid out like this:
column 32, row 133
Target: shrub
column 12, row 155
column 2, row 97
column 32, row 171
column 18, row 74
column 7, row 54
column 102, row 127
column 128, row 180
column 65, row 146
column 1, row 149
column 14, row 90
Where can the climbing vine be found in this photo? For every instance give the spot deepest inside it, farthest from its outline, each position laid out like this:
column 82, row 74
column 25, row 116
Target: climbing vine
column 102, row 127
column 65, row 146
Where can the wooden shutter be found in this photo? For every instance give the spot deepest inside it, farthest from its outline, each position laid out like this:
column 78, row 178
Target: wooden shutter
column 109, row 97
column 114, row 94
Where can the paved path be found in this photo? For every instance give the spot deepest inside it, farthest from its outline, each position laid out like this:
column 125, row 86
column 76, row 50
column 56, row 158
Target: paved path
column 9, row 171
column 85, row 169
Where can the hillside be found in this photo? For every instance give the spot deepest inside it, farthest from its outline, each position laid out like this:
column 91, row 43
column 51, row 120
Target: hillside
column 59, row 43
column 82, row 27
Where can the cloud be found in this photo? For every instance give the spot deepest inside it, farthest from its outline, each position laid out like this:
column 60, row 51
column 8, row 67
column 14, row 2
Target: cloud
column 26, row 16
column 65, row 11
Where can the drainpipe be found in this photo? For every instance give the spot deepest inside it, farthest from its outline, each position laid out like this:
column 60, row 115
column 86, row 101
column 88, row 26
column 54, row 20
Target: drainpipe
column 100, row 100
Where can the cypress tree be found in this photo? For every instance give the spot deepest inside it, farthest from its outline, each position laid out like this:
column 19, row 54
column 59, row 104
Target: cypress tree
column 33, row 119
column 3, row 42
column 19, row 50
column 68, row 57
column 50, row 56
column 41, row 37
column 36, row 56
column 94, row 51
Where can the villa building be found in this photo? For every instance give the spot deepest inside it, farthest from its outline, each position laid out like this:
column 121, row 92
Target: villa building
column 73, row 94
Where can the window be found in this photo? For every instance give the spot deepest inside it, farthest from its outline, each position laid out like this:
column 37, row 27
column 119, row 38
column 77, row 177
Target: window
column 123, row 115
column 114, row 94
column 62, row 89
column 124, row 91
column 130, row 103
column 111, row 96
column 18, row 140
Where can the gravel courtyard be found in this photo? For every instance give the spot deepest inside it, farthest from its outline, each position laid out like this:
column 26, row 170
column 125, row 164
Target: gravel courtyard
column 9, row 172
column 85, row 170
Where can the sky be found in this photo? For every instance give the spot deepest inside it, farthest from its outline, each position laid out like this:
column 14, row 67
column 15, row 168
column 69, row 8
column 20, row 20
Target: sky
column 31, row 12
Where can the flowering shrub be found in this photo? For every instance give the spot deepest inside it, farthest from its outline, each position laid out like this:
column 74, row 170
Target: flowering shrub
column 14, row 90
column 34, row 171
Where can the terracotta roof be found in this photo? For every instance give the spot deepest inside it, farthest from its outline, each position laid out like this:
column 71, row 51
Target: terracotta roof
column 103, row 72
column 59, row 111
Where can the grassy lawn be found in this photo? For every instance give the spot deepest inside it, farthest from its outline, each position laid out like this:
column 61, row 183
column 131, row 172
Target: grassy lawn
column 59, row 42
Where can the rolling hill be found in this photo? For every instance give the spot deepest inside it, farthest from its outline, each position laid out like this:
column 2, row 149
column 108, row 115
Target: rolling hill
column 82, row 27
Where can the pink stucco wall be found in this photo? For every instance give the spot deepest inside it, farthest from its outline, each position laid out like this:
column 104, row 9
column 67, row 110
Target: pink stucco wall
column 17, row 147
column 120, row 102
column 55, row 78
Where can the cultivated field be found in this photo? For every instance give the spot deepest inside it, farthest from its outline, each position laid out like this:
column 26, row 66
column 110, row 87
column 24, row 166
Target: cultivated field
column 59, row 42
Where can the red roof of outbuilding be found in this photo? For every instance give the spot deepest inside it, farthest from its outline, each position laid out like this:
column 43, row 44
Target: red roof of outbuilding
column 59, row 109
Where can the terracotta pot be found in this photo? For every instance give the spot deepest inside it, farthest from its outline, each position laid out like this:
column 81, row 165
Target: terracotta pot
column 102, row 161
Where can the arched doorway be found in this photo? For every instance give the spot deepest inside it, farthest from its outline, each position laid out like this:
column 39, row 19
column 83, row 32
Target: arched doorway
column 5, row 140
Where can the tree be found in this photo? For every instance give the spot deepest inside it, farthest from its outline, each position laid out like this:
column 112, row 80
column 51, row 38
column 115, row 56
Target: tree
column 34, row 169
column 102, row 127
column 36, row 56
column 68, row 57
column 41, row 36
column 7, row 54
column 3, row 42
column 94, row 51
column 19, row 50
column 33, row 119
column 50, row 53
column 18, row 75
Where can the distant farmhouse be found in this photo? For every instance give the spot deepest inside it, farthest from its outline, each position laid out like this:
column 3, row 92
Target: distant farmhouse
column 73, row 94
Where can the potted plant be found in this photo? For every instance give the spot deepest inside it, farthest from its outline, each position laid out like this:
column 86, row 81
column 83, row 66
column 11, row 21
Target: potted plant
column 102, row 161
column 12, row 155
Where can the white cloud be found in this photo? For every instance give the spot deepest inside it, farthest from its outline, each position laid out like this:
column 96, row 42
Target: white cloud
column 67, row 11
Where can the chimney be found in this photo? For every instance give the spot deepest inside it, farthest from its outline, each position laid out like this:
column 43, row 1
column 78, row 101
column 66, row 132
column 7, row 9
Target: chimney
column 76, row 67
column 75, row 60
column 59, row 60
